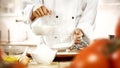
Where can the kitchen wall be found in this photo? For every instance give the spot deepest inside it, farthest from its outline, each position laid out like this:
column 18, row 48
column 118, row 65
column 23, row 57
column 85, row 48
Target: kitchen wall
column 10, row 10
column 108, row 12
column 106, row 19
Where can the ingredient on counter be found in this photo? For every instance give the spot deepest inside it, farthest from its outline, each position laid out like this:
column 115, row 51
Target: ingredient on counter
column 10, row 59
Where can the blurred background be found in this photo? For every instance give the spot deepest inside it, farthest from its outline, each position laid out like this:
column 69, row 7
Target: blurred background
column 107, row 15
column 11, row 10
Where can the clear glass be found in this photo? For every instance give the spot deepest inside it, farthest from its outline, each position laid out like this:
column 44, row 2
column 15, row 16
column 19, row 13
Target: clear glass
column 11, row 53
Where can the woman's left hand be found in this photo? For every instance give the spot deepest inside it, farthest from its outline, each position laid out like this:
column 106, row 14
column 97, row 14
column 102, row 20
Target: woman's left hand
column 77, row 34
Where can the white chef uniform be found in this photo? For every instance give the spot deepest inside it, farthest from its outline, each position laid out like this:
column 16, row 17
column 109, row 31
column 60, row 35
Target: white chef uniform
column 66, row 16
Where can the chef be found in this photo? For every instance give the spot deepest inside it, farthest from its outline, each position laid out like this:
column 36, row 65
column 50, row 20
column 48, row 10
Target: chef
column 61, row 18
column 62, row 21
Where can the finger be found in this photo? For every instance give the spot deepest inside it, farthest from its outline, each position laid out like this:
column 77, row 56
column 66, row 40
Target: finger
column 77, row 36
column 77, row 39
column 77, row 32
column 35, row 14
column 41, row 11
column 45, row 10
column 48, row 11
column 38, row 13
column 76, row 42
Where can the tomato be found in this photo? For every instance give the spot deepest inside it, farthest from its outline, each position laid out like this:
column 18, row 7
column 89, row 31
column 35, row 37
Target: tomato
column 0, row 54
column 15, row 65
column 115, row 59
column 99, row 45
column 18, row 65
column 100, row 53
column 117, row 30
column 89, row 59
column 93, row 56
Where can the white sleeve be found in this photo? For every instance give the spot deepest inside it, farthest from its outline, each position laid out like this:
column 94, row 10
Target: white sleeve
column 30, row 7
column 31, row 37
column 86, row 21
column 27, row 13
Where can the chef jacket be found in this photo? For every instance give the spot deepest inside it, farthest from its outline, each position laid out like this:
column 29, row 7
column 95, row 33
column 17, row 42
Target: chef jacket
column 66, row 16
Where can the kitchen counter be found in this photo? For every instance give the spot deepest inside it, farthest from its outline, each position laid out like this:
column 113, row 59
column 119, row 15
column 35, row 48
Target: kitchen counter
column 17, row 44
column 52, row 65
column 65, row 56
column 62, row 60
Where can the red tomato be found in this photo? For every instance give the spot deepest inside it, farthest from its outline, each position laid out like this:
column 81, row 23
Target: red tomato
column 89, row 59
column 117, row 30
column 0, row 52
column 18, row 65
column 115, row 59
column 99, row 45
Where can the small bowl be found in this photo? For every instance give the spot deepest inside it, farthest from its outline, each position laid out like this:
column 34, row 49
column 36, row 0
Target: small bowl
column 11, row 53
column 13, row 50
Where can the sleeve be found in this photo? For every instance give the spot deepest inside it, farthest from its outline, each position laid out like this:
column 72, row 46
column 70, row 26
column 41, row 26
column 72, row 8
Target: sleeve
column 31, row 37
column 30, row 7
column 86, row 21
column 27, row 12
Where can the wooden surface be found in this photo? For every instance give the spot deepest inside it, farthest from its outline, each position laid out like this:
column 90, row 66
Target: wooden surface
column 62, row 56
column 65, row 56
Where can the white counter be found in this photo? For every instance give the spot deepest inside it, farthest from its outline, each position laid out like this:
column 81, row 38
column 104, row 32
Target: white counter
column 52, row 65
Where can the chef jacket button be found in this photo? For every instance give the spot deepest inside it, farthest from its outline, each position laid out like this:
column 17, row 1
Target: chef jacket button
column 56, row 16
column 55, row 37
column 72, row 17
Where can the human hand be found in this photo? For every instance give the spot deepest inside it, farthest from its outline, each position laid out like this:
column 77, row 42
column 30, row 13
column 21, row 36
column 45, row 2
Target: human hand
column 40, row 12
column 77, row 34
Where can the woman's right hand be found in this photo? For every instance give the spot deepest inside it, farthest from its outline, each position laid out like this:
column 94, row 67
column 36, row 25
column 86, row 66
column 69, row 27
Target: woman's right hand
column 40, row 12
